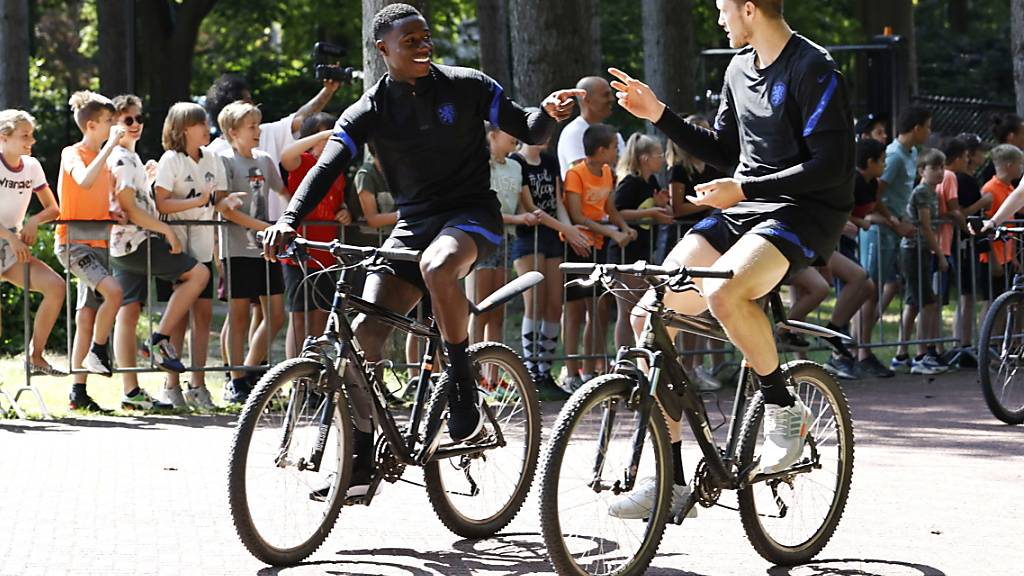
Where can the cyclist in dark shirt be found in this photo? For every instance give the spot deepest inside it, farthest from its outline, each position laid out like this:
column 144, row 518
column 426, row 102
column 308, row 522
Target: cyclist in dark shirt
column 785, row 123
column 426, row 123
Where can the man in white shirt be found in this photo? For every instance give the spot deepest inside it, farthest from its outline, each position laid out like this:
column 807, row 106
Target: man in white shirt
column 274, row 136
column 595, row 108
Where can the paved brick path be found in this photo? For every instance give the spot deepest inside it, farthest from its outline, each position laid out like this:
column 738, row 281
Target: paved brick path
column 938, row 489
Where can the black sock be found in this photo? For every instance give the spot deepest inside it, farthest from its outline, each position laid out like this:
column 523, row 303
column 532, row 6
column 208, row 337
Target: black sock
column 773, row 388
column 239, row 382
column 459, row 369
column 677, row 463
column 157, row 337
column 837, row 342
column 902, row 357
column 99, row 349
column 133, row 393
column 78, row 390
column 932, row 350
column 363, row 456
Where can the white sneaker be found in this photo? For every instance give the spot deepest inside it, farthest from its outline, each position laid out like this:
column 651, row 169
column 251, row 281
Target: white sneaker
column 97, row 364
column 705, row 381
column 639, row 503
column 785, row 429
column 928, row 366
column 173, row 397
column 199, row 398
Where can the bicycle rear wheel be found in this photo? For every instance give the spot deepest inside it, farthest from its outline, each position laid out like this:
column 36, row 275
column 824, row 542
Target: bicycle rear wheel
column 592, row 445
column 270, row 493
column 1001, row 358
column 477, row 495
column 790, row 519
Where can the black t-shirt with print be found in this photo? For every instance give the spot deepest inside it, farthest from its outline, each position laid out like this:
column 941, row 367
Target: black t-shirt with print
column 542, row 180
column 630, row 193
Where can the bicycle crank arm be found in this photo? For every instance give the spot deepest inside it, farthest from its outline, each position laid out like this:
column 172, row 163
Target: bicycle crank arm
column 802, row 468
column 446, row 453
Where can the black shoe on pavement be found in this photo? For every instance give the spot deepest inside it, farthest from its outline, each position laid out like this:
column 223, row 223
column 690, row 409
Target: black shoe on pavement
column 547, row 390
column 84, row 403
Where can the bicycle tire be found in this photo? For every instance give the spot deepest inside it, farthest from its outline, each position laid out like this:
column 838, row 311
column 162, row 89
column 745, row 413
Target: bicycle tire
column 766, row 545
column 245, row 526
column 988, row 384
column 582, row 401
column 444, row 508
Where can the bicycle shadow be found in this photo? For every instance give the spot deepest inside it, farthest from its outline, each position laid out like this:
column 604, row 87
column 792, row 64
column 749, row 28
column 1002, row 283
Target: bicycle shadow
column 854, row 567
column 512, row 554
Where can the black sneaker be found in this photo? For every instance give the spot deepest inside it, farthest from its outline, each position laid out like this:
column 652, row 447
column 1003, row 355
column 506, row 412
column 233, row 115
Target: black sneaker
column 84, row 403
column 465, row 416
column 237, row 391
column 547, row 390
column 793, row 342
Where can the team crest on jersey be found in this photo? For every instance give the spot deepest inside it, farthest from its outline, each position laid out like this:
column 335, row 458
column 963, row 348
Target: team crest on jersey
column 446, row 113
column 778, row 94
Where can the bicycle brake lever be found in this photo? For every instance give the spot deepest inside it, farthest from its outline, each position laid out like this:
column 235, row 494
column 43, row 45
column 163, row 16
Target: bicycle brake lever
column 581, row 283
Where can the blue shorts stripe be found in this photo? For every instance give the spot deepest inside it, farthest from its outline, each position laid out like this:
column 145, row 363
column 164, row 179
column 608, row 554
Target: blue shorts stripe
column 787, row 235
column 826, row 97
column 478, row 229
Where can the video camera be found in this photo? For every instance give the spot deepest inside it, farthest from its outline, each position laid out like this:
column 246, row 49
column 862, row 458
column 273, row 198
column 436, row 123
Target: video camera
column 327, row 59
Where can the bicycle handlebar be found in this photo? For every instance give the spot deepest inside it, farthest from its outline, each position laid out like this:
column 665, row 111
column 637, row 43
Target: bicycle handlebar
column 641, row 268
column 338, row 249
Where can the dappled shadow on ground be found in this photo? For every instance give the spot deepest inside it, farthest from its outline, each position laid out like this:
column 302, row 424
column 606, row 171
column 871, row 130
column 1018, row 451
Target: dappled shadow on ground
column 149, row 422
column 856, row 567
column 513, row 554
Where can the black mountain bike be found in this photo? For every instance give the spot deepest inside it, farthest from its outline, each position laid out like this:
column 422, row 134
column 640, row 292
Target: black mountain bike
column 1001, row 345
column 291, row 458
column 612, row 432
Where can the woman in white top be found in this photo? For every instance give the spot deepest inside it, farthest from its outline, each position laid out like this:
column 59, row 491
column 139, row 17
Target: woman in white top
column 188, row 179
column 21, row 175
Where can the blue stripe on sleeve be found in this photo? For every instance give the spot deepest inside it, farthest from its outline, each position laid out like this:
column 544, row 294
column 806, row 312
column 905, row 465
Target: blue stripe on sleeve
column 498, row 91
column 347, row 141
column 812, row 122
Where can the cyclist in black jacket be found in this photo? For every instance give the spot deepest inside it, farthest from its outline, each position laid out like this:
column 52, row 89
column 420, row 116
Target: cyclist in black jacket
column 426, row 123
column 785, row 130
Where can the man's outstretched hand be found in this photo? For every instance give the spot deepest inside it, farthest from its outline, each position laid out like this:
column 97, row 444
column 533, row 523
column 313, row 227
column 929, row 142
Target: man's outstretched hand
column 636, row 97
column 275, row 239
column 559, row 104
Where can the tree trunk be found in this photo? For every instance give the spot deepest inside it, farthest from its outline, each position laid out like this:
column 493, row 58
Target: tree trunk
column 899, row 16
column 958, row 15
column 1017, row 36
column 669, row 52
column 117, row 44
column 495, row 61
column 14, row 44
column 373, row 64
column 552, row 46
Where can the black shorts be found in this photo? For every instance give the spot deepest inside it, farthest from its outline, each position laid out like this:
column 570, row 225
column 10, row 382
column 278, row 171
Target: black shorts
column 316, row 293
column 722, row 231
column 598, row 256
column 989, row 286
column 540, row 240
column 164, row 289
column 484, row 226
column 155, row 255
column 250, row 278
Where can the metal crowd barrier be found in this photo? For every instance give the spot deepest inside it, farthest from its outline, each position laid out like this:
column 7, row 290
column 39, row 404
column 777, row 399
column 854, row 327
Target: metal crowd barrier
column 656, row 251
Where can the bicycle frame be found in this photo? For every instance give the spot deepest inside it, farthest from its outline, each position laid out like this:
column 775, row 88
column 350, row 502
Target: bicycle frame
column 667, row 382
column 337, row 350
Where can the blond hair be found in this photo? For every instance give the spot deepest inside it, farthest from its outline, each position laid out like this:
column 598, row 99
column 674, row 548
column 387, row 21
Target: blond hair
column 126, row 101
column 676, row 156
column 1006, row 154
column 232, row 115
column 181, row 116
column 9, row 120
column 86, row 106
column 638, row 145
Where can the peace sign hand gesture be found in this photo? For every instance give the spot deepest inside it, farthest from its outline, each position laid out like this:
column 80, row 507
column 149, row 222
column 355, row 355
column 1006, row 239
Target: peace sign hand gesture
column 636, row 97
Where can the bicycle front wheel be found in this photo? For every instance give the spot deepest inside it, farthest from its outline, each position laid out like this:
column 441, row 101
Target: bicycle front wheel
column 1000, row 354
column 282, row 509
column 477, row 495
column 791, row 517
column 585, row 464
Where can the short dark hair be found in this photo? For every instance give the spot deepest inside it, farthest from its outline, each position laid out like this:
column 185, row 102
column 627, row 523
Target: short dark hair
column 385, row 19
column 911, row 118
column 972, row 141
column 954, row 148
column 1005, row 124
column 869, row 149
column 598, row 136
column 316, row 123
column 867, row 123
column 226, row 89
